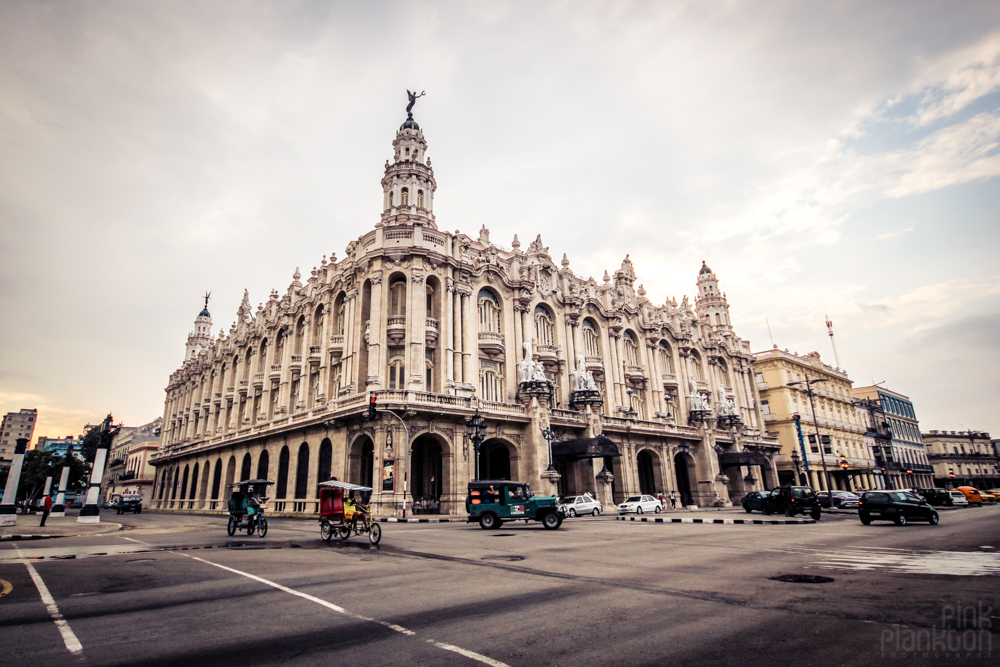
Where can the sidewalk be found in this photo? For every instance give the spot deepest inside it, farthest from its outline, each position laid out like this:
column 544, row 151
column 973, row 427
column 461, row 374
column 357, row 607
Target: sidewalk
column 27, row 528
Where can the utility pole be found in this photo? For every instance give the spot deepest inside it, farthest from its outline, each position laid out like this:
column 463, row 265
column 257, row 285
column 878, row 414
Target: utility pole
column 809, row 382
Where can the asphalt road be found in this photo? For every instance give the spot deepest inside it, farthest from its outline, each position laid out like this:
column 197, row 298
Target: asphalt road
column 175, row 590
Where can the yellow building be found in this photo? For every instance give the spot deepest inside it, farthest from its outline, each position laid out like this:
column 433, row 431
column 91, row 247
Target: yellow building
column 789, row 417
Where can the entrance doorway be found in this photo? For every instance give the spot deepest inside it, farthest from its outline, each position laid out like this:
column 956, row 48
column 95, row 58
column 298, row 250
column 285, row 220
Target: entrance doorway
column 426, row 474
column 682, row 464
column 494, row 460
column 648, row 467
column 362, row 461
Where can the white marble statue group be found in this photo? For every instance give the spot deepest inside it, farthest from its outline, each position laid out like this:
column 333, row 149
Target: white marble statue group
column 528, row 370
column 698, row 402
column 583, row 380
column 727, row 408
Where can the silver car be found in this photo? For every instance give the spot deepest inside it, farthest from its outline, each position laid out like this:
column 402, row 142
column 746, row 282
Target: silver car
column 640, row 505
column 579, row 506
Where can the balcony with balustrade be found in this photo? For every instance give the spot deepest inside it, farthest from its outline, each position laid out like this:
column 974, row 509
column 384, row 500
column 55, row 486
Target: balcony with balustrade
column 491, row 342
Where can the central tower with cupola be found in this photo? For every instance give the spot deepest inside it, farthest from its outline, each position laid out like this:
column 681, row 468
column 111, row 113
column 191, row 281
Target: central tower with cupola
column 408, row 185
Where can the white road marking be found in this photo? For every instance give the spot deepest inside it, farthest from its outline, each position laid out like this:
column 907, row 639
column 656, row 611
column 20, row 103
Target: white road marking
column 962, row 563
column 131, row 540
column 340, row 610
column 73, row 644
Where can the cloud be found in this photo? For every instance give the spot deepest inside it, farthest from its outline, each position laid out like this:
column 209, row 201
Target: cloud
column 892, row 235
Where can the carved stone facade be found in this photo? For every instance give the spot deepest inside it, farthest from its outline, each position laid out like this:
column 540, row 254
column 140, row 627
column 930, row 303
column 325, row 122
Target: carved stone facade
column 438, row 325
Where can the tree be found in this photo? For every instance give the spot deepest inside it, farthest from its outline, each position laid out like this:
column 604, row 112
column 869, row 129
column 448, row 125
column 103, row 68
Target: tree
column 39, row 465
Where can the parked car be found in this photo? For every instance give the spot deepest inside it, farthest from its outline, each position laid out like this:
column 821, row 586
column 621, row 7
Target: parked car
column 958, row 498
column 640, row 504
column 988, row 496
column 897, row 506
column 753, row 501
column 579, row 506
column 939, row 497
column 492, row 502
column 841, row 500
column 790, row 500
column 972, row 495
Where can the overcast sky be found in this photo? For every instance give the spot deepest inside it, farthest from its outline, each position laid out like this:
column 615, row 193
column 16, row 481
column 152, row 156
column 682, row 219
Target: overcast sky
column 823, row 158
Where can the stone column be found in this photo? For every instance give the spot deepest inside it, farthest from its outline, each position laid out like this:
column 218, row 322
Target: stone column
column 470, row 345
column 8, row 511
column 416, row 332
column 377, row 340
column 446, row 341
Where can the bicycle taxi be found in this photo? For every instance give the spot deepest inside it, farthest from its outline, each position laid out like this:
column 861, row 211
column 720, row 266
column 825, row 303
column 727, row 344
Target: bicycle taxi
column 246, row 507
column 342, row 516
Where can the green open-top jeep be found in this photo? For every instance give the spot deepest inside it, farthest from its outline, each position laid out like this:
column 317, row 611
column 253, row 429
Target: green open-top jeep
column 491, row 502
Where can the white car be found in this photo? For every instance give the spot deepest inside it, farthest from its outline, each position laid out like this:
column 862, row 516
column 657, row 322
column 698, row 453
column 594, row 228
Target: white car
column 640, row 504
column 580, row 506
column 958, row 499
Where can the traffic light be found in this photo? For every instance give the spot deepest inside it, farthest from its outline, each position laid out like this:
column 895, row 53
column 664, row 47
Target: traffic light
column 951, row 472
column 843, row 462
column 372, row 410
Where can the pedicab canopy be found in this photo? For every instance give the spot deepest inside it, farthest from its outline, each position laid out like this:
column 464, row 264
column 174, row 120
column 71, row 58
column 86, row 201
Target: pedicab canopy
column 331, row 497
column 585, row 448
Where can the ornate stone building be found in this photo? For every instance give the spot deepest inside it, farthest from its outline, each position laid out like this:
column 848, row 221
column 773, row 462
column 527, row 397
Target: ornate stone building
column 438, row 327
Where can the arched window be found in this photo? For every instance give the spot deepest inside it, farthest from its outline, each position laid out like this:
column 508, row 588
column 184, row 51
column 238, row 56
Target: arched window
column 428, row 370
column 317, row 330
column 420, row 198
column 490, row 315
column 397, row 297
column 638, row 407
column 302, row 471
column 173, row 491
column 591, row 339
column 544, row 328
column 404, row 194
column 300, row 335
column 695, row 365
column 184, row 482
column 718, row 319
column 339, row 310
column 245, row 467
column 665, row 358
column 490, row 380
column 325, row 461
column 397, row 368
column 281, row 488
column 194, row 482
column 631, row 349
column 262, row 465
column 279, row 347
column 217, row 479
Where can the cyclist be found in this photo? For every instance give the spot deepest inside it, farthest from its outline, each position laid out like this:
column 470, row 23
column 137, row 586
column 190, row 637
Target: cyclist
column 353, row 510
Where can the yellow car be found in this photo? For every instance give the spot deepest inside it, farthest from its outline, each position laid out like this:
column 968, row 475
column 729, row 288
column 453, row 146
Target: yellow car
column 989, row 496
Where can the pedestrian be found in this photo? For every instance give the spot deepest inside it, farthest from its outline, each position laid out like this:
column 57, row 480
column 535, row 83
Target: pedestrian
column 46, row 508
column 663, row 501
column 673, row 500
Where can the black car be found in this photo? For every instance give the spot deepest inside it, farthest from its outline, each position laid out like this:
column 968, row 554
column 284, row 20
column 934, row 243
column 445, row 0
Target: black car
column 791, row 500
column 841, row 500
column 939, row 497
column 753, row 501
column 897, row 506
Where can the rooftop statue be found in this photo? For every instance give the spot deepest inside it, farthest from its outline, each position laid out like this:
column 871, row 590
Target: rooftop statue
column 413, row 100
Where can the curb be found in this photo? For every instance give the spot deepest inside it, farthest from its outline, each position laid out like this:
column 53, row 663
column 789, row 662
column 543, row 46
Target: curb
column 748, row 522
column 18, row 538
column 393, row 519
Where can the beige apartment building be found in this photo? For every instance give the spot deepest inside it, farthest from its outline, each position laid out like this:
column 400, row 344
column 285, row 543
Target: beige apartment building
column 129, row 469
column 962, row 458
column 788, row 416
column 439, row 327
column 15, row 425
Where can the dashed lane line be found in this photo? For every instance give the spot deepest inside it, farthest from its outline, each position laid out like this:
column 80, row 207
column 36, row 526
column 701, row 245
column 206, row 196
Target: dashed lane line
column 69, row 638
column 478, row 657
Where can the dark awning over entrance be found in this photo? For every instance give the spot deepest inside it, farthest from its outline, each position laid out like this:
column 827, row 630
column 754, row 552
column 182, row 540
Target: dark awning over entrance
column 748, row 458
column 585, row 448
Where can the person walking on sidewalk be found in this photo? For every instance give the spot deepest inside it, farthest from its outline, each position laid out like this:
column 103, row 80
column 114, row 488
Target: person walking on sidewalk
column 673, row 500
column 46, row 508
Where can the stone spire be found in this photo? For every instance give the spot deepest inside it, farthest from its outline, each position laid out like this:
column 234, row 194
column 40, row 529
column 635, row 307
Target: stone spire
column 201, row 337
column 711, row 304
column 408, row 184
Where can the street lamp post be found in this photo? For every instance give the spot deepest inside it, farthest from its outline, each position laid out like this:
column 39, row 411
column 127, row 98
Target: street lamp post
column 91, row 513
column 796, row 461
column 549, row 435
column 475, row 427
column 812, row 406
